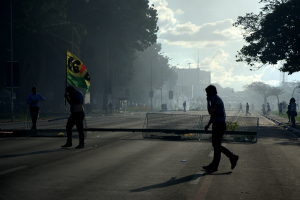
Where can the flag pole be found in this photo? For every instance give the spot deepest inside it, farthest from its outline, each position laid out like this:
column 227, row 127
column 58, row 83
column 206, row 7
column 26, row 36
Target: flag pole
column 66, row 73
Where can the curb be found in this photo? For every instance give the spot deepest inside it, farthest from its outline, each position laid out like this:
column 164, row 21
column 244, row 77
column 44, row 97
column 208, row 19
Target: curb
column 293, row 130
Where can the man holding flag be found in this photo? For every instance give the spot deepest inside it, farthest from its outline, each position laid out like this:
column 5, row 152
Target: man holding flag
column 78, row 76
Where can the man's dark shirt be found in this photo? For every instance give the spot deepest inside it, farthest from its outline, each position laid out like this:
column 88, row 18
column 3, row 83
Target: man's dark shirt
column 219, row 115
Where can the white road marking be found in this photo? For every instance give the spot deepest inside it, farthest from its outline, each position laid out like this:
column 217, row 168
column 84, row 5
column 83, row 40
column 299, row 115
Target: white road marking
column 196, row 178
column 211, row 154
column 11, row 170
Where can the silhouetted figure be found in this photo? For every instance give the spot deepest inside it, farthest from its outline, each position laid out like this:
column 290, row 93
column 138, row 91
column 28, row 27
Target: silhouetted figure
column 247, row 109
column 184, row 106
column 241, row 108
column 293, row 111
column 33, row 101
column 264, row 109
column 76, row 100
column 110, row 107
column 117, row 107
column 269, row 108
column 280, row 109
column 217, row 113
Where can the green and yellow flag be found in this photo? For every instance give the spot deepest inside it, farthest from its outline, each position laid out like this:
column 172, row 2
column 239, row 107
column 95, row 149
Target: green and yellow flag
column 77, row 74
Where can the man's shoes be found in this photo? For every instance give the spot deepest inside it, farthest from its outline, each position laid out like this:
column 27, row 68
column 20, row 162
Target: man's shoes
column 80, row 146
column 67, row 145
column 233, row 161
column 210, row 168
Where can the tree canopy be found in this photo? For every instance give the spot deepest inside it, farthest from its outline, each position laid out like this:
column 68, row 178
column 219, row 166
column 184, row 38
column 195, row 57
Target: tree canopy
column 273, row 36
column 101, row 33
column 264, row 90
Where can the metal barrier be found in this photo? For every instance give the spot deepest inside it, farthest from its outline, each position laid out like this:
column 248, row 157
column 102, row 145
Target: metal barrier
column 156, row 125
column 48, row 124
column 192, row 127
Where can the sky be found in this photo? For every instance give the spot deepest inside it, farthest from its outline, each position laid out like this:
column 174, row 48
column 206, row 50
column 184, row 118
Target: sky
column 188, row 28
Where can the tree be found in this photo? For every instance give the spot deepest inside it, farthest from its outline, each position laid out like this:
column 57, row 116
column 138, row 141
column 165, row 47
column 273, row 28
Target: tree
column 264, row 90
column 141, row 76
column 273, row 36
column 42, row 32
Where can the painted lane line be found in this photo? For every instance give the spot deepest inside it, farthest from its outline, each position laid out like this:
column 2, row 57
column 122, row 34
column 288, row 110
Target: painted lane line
column 11, row 170
column 206, row 183
column 204, row 187
column 196, row 178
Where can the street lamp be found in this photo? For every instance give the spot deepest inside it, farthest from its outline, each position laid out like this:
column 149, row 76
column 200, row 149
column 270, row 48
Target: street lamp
column 151, row 94
column 11, row 65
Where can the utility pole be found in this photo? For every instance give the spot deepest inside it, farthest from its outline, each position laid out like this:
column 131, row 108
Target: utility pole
column 151, row 93
column 11, row 65
column 161, row 85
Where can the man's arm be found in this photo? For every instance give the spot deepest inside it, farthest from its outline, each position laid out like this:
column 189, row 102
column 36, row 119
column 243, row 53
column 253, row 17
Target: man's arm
column 42, row 98
column 210, row 109
column 73, row 100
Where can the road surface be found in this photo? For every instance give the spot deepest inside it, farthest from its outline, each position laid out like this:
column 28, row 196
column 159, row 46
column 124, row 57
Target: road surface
column 116, row 165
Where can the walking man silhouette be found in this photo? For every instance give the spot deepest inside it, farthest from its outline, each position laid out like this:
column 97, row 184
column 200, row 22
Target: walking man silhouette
column 217, row 113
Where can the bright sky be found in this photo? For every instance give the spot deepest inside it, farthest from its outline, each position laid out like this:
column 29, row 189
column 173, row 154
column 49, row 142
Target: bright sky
column 187, row 26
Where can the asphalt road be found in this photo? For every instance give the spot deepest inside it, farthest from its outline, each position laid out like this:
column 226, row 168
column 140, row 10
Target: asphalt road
column 116, row 165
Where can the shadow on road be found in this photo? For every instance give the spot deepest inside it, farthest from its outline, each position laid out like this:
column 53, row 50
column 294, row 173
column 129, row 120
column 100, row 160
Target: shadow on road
column 174, row 181
column 278, row 135
column 33, row 153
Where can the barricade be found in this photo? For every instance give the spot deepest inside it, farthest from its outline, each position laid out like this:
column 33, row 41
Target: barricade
column 48, row 124
column 238, row 128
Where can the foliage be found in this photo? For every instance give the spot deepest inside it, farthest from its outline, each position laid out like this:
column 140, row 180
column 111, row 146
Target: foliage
column 106, row 30
column 264, row 90
column 231, row 126
column 140, row 84
column 284, row 105
column 273, row 35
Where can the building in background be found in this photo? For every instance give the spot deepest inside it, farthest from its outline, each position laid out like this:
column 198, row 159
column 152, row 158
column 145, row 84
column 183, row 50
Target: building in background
column 191, row 83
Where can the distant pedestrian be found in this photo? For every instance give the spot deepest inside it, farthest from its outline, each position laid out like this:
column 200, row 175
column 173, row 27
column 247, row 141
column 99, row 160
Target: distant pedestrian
column 264, row 109
column 110, row 107
column 33, row 101
column 247, row 109
column 117, row 107
column 280, row 109
column 269, row 108
column 241, row 108
column 217, row 113
column 293, row 111
column 288, row 112
column 184, row 106
column 76, row 100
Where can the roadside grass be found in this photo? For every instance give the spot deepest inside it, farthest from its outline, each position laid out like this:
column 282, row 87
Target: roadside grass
column 297, row 118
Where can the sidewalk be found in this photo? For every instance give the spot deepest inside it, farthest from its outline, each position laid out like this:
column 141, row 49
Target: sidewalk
column 284, row 122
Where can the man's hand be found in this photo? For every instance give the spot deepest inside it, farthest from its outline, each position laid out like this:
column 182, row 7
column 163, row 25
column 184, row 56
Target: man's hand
column 66, row 95
column 206, row 127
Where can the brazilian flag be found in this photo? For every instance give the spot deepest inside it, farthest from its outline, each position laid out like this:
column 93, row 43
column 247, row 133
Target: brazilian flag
column 77, row 73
